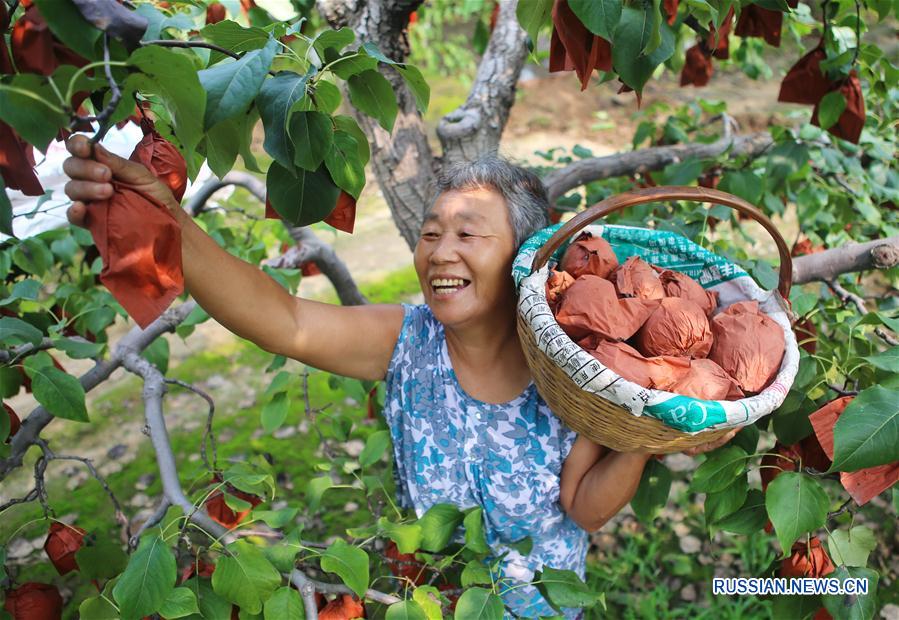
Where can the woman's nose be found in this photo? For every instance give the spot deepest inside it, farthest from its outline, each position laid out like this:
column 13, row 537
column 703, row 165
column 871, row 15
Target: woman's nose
column 444, row 250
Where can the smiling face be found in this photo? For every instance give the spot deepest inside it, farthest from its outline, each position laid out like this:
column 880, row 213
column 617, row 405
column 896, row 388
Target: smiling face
column 464, row 256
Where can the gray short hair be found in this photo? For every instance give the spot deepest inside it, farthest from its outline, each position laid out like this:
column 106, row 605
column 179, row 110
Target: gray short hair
column 523, row 190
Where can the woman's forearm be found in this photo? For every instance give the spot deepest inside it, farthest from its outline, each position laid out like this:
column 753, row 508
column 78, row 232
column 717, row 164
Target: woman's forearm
column 240, row 296
column 606, row 488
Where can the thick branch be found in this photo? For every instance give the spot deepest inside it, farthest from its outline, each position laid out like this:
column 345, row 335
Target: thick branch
column 154, row 390
column 827, row 265
column 309, row 246
column 645, row 160
column 135, row 341
column 475, row 128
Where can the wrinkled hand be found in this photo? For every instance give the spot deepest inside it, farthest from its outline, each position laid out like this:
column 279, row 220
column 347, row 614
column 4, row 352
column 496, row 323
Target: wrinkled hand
column 92, row 178
column 708, row 447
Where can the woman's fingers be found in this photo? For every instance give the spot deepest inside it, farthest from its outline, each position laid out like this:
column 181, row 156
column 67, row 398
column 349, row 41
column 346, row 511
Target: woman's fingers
column 712, row 445
column 86, row 170
column 77, row 214
column 87, row 191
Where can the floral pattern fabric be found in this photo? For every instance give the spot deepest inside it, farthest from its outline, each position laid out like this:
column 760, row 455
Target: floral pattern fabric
column 505, row 458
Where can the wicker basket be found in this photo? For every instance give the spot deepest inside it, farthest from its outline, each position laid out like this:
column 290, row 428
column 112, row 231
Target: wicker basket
column 589, row 414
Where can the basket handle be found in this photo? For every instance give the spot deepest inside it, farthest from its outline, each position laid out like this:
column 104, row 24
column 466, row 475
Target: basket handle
column 661, row 193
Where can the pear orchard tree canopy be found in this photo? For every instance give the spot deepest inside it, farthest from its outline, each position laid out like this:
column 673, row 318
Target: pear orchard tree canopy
column 335, row 94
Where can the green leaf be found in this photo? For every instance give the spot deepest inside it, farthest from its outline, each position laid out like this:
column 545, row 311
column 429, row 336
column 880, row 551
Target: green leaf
column 231, row 86
column 311, row 135
column 475, row 539
column 479, row 604
column 536, row 14
column 631, row 37
column 867, row 433
column 285, row 603
column 223, row 145
column 342, row 161
column 886, row 360
column 100, row 558
column 302, row 198
column 351, row 64
column 372, row 50
column 276, row 518
column 27, row 289
column 407, row 536
column 375, row 447
column 475, row 573
column 348, row 124
column 333, row 39
column 173, row 77
column 830, row 108
column 682, row 173
column 371, row 93
column 438, row 525
column 158, row 354
column 157, row 21
column 97, row 608
column 720, row 469
column 16, row 331
column 66, row 22
column 275, row 412
column 405, row 610
column 245, row 577
column 5, row 216
column 283, row 554
column 31, row 116
column 315, row 488
column 417, row 84
column 727, row 501
column 326, row 96
column 652, row 494
column 851, row 547
column 180, row 603
column 211, row 604
column 232, row 36
column 275, row 99
column 851, row 606
column 796, row 505
column 563, row 588
column 60, row 393
column 429, row 599
column 349, row 563
column 749, row 519
column 147, row 581
column 33, row 255
column 743, row 183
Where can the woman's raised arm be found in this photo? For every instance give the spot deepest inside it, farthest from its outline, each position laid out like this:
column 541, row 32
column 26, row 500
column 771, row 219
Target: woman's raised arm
column 355, row 341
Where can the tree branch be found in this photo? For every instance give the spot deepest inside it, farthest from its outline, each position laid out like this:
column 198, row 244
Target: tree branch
column 859, row 303
column 475, row 127
column 827, row 265
column 135, row 341
column 154, row 390
column 309, row 247
column 645, row 160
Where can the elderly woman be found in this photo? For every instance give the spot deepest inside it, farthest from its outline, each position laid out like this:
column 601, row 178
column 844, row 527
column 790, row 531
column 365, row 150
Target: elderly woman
column 467, row 423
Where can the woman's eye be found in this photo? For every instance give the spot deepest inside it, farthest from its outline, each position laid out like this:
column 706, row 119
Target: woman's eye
column 465, row 234
column 429, row 235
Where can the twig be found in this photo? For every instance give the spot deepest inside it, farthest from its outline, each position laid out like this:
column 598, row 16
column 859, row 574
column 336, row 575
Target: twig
column 310, row 415
column 154, row 519
column 859, row 303
column 208, row 435
column 843, row 508
column 106, row 113
column 842, row 391
column 12, row 356
column 119, row 513
column 301, row 581
column 190, row 44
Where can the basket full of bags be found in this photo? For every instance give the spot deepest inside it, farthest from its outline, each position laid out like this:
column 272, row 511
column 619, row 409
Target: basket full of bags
column 649, row 341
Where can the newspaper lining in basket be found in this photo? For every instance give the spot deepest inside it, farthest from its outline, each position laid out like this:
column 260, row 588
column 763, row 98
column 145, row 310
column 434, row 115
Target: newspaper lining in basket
column 675, row 252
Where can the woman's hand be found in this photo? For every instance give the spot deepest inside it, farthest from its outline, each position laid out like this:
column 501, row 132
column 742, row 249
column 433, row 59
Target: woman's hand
column 712, row 445
column 92, row 178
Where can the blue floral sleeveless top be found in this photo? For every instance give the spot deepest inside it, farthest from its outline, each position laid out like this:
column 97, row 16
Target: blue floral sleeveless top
column 505, row 458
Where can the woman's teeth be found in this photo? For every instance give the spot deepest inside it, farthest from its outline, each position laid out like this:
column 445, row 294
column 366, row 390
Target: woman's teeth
column 447, row 285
